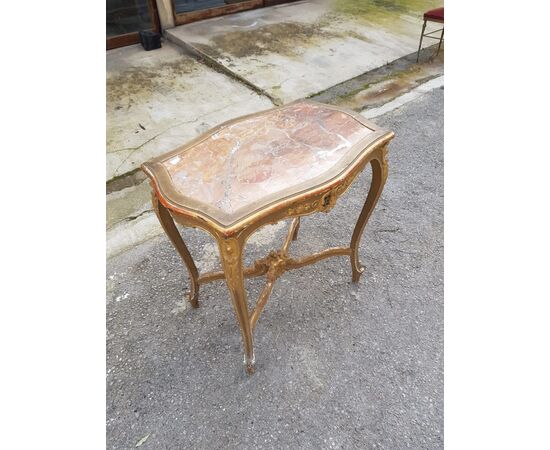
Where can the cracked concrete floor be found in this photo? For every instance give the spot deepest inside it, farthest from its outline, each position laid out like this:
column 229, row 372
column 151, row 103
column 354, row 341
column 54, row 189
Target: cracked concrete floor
column 157, row 100
column 338, row 365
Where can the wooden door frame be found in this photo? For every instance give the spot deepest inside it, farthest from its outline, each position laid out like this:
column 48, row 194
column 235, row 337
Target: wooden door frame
column 122, row 40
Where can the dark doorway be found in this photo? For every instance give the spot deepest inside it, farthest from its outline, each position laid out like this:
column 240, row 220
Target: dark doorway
column 126, row 17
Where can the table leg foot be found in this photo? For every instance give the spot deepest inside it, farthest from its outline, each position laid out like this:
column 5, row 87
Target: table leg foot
column 194, row 298
column 356, row 273
column 249, row 364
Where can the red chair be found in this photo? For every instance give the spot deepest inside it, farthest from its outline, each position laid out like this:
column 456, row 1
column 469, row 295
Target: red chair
column 434, row 15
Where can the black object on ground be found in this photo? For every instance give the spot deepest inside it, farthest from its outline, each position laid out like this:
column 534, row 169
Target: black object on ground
column 149, row 40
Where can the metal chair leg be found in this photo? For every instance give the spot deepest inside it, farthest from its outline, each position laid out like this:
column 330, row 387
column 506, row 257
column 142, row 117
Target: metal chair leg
column 421, row 36
column 440, row 41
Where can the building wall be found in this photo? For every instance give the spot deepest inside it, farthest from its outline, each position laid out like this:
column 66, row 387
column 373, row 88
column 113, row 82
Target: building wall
column 166, row 15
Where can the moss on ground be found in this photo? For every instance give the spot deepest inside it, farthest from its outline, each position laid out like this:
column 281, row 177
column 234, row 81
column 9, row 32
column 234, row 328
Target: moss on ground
column 382, row 11
column 281, row 38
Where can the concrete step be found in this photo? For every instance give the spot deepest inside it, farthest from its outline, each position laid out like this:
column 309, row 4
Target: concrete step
column 294, row 50
column 130, row 219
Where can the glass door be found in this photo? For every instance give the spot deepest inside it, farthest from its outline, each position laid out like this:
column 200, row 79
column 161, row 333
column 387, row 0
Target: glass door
column 125, row 18
column 186, row 11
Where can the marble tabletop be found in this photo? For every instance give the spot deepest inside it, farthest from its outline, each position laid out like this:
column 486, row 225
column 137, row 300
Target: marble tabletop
column 246, row 163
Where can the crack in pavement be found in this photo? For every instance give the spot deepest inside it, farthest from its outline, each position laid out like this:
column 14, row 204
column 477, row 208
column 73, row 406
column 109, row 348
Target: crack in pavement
column 134, row 149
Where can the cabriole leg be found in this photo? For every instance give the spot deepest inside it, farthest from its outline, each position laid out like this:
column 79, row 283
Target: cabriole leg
column 379, row 174
column 173, row 234
column 231, row 255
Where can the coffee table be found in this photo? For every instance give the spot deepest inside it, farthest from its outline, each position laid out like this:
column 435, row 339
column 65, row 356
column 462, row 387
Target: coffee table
column 259, row 169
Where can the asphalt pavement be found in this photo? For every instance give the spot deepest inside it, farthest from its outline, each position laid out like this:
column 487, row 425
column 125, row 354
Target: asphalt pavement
column 338, row 365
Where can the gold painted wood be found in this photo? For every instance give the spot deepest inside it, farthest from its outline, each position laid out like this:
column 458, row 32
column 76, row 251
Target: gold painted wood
column 379, row 166
column 231, row 238
column 292, row 235
column 172, row 232
column 231, row 254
